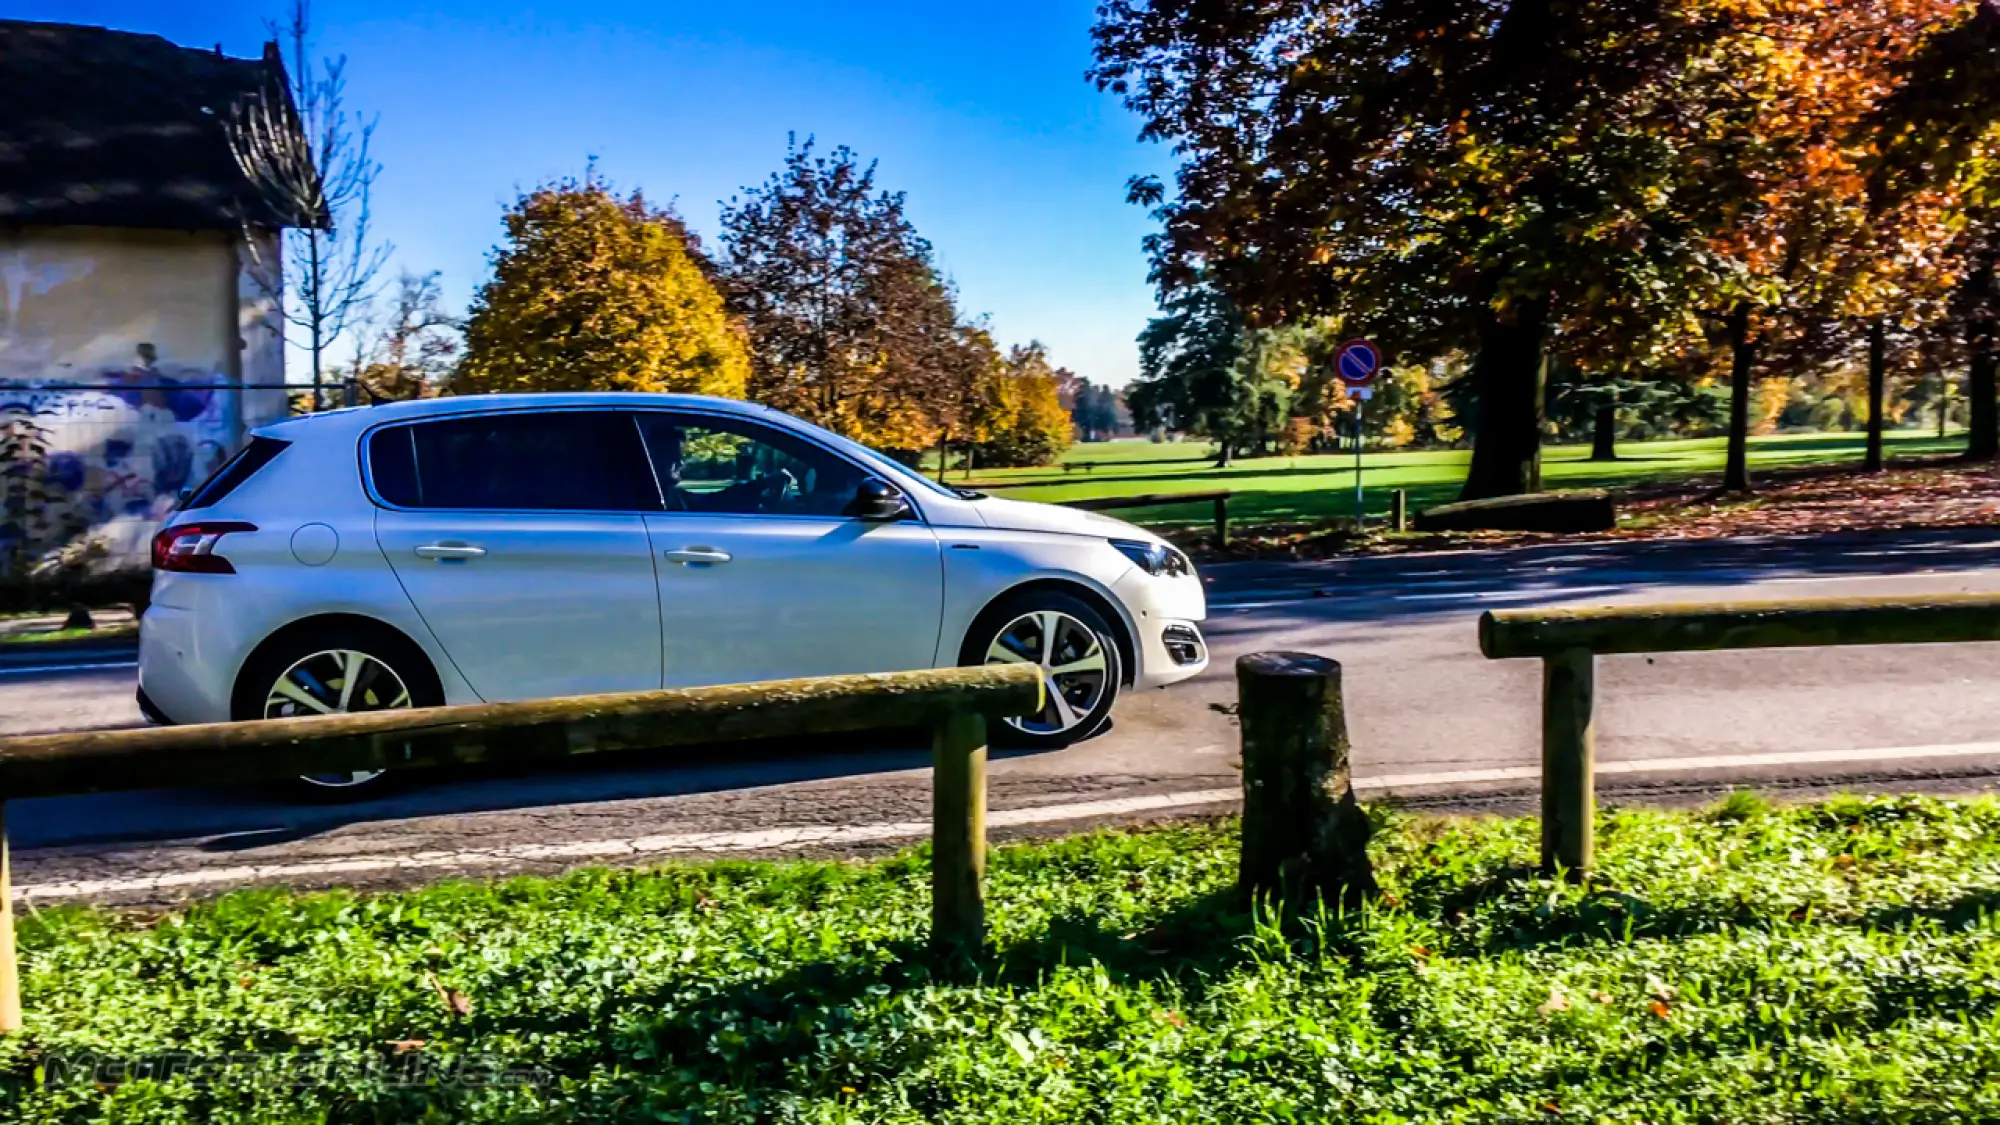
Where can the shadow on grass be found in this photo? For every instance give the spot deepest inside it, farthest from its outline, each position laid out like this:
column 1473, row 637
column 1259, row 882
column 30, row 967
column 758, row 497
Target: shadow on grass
column 820, row 1028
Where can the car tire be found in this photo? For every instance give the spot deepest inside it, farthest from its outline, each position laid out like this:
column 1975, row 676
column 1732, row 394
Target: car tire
column 308, row 673
column 1082, row 669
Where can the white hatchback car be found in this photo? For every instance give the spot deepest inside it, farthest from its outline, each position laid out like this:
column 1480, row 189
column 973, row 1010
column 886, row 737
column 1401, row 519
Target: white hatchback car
column 490, row 548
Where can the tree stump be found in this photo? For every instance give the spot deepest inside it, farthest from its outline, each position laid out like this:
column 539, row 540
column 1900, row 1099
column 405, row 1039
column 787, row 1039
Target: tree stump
column 1304, row 835
column 79, row 617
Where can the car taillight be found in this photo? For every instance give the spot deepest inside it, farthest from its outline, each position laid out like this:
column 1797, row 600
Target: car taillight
column 189, row 548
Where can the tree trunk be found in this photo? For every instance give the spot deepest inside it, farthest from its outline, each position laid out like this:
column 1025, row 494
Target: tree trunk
column 1878, row 378
column 1304, row 837
column 1508, row 377
column 1983, row 440
column 1604, row 432
column 316, row 314
column 1742, row 362
column 944, row 453
column 1222, row 461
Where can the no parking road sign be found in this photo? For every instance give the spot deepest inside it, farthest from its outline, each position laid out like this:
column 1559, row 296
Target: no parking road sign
column 1358, row 363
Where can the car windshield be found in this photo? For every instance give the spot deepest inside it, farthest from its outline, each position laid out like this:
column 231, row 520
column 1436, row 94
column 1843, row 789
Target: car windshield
column 886, row 464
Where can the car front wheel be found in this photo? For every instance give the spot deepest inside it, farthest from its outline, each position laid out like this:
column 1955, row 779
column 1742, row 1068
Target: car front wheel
column 1072, row 645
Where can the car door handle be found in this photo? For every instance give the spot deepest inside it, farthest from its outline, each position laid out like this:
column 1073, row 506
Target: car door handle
column 448, row 551
column 698, row 556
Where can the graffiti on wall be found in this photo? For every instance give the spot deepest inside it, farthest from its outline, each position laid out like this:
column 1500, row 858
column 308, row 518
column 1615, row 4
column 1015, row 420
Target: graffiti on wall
column 118, row 451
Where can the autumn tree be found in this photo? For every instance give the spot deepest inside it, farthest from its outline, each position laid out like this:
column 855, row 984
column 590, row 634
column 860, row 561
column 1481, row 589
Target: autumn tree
column 407, row 346
column 1020, row 414
column 1442, row 176
column 1826, row 183
column 847, row 314
column 959, row 402
column 594, row 291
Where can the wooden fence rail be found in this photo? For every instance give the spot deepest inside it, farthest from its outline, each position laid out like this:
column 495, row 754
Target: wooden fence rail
column 1160, row 500
column 1568, row 641
column 955, row 703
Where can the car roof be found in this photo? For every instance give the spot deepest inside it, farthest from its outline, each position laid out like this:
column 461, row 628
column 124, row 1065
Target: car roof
column 356, row 417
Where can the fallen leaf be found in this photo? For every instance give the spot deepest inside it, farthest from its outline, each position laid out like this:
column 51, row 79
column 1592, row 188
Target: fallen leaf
column 405, row 1046
column 1556, row 1002
column 1419, row 952
column 1660, row 1009
column 454, row 999
column 1602, row 997
column 1843, row 861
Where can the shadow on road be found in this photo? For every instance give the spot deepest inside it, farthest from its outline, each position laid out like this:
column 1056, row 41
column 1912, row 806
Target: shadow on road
column 240, row 818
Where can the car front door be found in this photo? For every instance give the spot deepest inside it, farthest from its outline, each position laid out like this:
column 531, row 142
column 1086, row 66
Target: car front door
column 521, row 540
column 763, row 575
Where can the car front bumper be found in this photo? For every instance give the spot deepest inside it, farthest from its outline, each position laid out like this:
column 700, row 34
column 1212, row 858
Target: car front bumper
column 1166, row 615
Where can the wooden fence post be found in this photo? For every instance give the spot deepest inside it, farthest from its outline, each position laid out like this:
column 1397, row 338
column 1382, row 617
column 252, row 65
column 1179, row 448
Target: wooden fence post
column 10, row 973
column 958, row 831
column 1569, row 794
column 1222, row 521
column 1304, row 835
column 1399, row 510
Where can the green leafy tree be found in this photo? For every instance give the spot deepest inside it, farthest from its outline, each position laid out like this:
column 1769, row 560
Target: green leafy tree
column 596, row 292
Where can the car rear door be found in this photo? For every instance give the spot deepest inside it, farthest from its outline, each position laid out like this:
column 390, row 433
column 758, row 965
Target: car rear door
column 520, row 538
column 762, row 575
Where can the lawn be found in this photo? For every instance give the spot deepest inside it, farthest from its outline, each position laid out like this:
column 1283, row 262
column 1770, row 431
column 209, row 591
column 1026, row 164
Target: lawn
column 1281, row 490
column 1835, row 962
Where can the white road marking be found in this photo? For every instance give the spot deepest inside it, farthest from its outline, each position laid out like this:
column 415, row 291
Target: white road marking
column 779, row 839
column 769, row 839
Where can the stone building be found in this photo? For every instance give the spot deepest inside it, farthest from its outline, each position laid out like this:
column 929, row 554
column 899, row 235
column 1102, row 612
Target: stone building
column 140, row 327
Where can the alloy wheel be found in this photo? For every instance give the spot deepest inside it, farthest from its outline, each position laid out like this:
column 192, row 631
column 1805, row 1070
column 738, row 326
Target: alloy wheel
column 1076, row 672
column 337, row 682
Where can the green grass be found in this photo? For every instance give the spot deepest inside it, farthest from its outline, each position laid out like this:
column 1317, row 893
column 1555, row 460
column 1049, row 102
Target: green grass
column 106, row 633
column 1271, row 490
column 1837, row 962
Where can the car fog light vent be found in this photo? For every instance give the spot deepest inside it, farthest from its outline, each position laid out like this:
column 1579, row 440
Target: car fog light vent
column 1183, row 644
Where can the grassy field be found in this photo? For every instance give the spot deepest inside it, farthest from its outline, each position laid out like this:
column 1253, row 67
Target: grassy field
column 1305, row 489
column 1837, row 962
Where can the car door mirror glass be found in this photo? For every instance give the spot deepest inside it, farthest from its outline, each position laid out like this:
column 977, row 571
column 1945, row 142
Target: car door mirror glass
column 877, row 499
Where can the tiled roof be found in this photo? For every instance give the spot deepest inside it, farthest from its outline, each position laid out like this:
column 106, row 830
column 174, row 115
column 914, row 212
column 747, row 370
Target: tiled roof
column 113, row 128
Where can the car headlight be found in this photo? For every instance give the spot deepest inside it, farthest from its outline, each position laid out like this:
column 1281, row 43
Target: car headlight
column 1153, row 558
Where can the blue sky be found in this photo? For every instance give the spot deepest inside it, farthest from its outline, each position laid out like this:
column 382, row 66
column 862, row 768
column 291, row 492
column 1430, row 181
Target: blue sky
column 1014, row 165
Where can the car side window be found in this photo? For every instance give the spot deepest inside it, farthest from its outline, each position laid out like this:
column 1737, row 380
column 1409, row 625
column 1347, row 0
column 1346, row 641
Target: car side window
column 550, row 461
column 733, row 467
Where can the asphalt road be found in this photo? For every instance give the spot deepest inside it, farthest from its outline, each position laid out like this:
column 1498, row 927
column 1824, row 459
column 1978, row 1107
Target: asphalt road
column 1430, row 720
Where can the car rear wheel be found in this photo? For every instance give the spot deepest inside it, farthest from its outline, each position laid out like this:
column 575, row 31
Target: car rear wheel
column 338, row 671
column 1073, row 646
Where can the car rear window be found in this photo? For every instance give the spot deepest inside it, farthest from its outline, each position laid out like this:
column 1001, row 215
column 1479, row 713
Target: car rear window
column 557, row 461
column 225, row 480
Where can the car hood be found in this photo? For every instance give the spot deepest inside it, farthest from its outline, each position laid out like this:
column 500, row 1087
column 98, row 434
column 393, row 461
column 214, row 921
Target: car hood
column 1023, row 515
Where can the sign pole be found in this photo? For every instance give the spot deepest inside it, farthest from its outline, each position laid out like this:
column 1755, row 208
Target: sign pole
column 1360, row 404
column 1357, row 364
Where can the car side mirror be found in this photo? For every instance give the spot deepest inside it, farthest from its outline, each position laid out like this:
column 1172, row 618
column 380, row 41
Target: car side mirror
column 878, row 500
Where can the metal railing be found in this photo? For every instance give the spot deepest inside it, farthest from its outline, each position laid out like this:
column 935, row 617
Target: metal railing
column 955, row 703
column 1568, row 641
